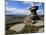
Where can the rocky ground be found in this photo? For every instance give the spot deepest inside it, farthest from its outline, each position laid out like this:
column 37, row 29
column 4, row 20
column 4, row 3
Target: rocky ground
column 25, row 26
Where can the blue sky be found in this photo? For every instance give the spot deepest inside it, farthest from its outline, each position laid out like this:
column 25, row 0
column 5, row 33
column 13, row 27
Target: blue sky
column 17, row 4
column 22, row 5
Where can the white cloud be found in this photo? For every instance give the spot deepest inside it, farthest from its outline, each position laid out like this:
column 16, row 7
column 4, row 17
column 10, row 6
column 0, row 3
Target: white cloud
column 40, row 12
column 21, row 11
column 17, row 11
column 10, row 9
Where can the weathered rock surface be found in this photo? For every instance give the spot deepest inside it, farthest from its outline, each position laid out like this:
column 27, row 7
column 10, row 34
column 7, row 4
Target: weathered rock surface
column 38, row 26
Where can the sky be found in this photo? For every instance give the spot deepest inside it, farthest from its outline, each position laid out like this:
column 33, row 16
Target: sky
column 22, row 7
